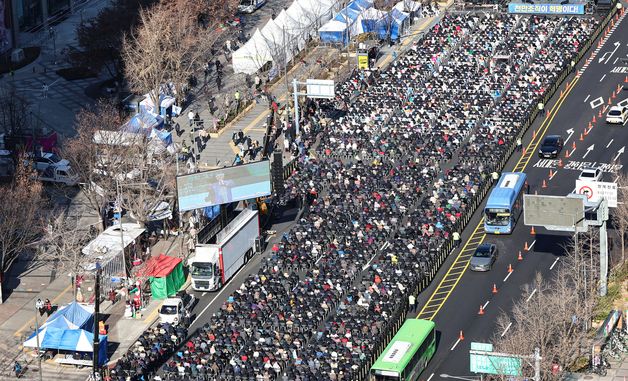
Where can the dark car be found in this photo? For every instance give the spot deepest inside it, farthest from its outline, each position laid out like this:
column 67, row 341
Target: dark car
column 551, row 146
column 484, row 257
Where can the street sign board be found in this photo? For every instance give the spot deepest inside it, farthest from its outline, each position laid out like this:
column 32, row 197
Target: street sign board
column 320, row 88
column 596, row 190
column 554, row 212
column 489, row 363
column 486, row 347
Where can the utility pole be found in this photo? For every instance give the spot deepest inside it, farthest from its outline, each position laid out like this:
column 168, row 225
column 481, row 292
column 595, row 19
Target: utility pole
column 296, row 105
column 38, row 345
column 119, row 211
column 96, row 323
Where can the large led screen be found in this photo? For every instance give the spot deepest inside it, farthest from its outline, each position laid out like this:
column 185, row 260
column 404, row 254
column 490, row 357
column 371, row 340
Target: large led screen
column 225, row 185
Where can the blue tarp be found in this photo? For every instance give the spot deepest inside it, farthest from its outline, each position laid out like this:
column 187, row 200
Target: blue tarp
column 74, row 312
column 143, row 123
column 74, row 340
column 348, row 14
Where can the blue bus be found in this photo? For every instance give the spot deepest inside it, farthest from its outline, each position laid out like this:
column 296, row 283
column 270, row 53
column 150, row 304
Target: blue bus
column 505, row 203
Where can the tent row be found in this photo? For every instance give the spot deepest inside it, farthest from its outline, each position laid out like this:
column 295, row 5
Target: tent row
column 285, row 36
column 360, row 17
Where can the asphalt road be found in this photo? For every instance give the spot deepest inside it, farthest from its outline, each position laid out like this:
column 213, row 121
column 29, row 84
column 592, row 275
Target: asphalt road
column 602, row 146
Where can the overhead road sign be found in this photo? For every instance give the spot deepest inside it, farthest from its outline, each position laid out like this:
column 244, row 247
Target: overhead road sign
column 320, row 88
column 596, row 190
column 554, row 212
column 484, row 360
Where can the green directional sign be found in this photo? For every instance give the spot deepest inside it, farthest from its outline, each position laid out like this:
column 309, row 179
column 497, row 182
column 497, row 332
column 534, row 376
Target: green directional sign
column 482, row 360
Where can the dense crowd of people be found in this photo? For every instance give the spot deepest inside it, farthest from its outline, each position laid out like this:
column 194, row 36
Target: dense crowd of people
column 400, row 160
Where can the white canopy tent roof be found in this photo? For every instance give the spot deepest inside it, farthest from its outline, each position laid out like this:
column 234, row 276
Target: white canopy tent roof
column 252, row 55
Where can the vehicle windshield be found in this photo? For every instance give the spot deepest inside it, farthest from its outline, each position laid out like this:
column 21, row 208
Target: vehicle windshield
column 201, row 269
column 588, row 174
column 614, row 113
column 551, row 142
column 482, row 252
column 168, row 310
column 498, row 217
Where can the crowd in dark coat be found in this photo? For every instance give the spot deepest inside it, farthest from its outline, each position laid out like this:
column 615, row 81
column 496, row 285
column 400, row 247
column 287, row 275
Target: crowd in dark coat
column 393, row 166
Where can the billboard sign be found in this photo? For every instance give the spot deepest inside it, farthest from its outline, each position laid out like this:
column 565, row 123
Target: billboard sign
column 484, row 362
column 321, row 88
column 546, row 9
column 596, row 190
column 225, row 185
column 554, row 212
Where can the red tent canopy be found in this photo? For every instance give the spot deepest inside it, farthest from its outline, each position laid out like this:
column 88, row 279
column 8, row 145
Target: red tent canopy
column 159, row 266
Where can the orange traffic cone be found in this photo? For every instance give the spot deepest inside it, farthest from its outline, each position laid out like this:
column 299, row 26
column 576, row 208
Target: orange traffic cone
column 547, row 114
column 520, row 257
column 461, row 336
column 509, row 268
column 626, row 79
column 573, row 145
column 481, row 311
column 614, row 95
column 590, row 125
column 610, row 101
column 599, row 113
column 551, row 174
column 526, row 248
column 586, row 131
column 544, row 185
column 494, row 288
column 532, row 231
column 560, row 163
column 566, row 154
column 523, row 151
column 533, row 134
column 581, row 137
column 594, row 121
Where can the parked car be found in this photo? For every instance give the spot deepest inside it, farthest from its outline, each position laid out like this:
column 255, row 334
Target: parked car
column 617, row 115
column 173, row 309
column 47, row 159
column 484, row 257
column 551, row 146
column 594, row 174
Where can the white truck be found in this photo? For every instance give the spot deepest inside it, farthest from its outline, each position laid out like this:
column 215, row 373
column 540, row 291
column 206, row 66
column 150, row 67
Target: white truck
column 214, row 264
column 62, row 174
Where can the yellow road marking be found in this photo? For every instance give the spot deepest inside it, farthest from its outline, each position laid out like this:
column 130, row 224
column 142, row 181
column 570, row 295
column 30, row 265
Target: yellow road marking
column 524, row 159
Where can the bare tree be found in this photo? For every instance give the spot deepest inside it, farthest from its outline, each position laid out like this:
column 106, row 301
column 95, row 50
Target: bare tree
column 553, row 315
column 167, row 49
column 13, row 111
column 64, row 237
column 89, row 158
column 20, row 223
column 620, row 213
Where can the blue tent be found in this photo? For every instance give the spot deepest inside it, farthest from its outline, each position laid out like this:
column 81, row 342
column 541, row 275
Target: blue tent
column 143, row 122
column 394, row 20
column 74, row 340
column 79, row 315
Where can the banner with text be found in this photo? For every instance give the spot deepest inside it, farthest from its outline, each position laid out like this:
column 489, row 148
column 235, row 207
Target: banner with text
column 546, row 9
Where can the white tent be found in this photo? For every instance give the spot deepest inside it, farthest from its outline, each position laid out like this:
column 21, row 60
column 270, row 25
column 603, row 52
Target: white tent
column 252, row 55
column 408, row 6
column 278, row 41
column 303, row 19
column 297, row 36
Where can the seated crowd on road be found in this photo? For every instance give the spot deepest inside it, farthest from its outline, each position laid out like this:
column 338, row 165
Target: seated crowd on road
column 387, row 181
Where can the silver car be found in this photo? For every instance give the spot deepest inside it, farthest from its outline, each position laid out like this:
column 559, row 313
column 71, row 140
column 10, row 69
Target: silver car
column 484, row 257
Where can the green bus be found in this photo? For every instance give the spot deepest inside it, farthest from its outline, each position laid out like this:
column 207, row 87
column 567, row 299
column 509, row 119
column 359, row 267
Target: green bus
column 408, row 353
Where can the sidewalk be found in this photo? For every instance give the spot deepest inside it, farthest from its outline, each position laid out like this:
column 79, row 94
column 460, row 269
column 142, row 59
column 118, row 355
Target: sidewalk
column 617, row 372
column 18, row 322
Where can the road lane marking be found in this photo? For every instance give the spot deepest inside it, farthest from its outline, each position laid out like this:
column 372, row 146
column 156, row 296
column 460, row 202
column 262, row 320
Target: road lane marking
column 486, row 304
column 531, row 295
column 609, row 143
column 604, row 76
column 614, row 62
column 508, row 276
column 587, row 98
column 553, row 174
column 597, row 102
column 531, row 245
column 506, row 330
column 430, row 377
column 224, row 287
column 454, row 347
column 203, row 294
column 554, row 264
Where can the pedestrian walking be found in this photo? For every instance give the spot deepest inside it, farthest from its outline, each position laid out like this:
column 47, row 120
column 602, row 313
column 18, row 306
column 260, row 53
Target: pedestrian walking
column 219, row 81
column 541, row 107
column 457, row 239
column 258, row 82
column 191, row 117
column 39, row 304
column 519, row 144
column 236, row 96
column 47, row 306
column 411, row 303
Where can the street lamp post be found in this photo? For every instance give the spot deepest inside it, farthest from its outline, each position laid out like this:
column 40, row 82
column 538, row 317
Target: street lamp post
column 96, row 323
column 38, row 344
column 53, row 35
